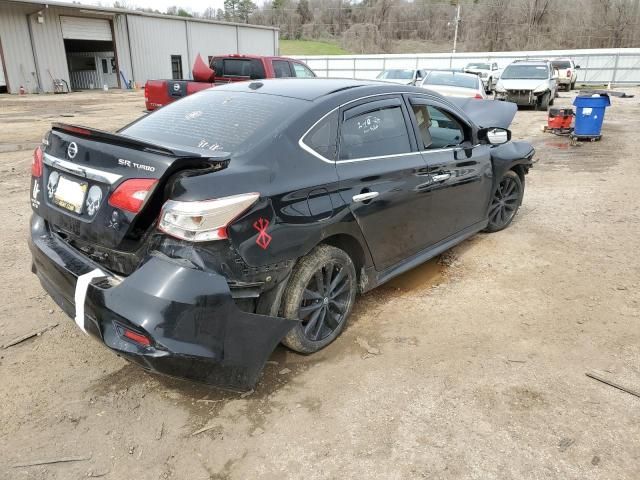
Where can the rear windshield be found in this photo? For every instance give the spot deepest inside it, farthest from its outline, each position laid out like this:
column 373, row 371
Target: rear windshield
column 561, row 64
column 215, row 120
column 525, row 72
column 451, row 79
column 396, row 74
column 479, row 66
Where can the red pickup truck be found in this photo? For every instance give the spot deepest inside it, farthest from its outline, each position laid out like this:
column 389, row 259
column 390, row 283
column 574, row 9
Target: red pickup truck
column 225, row 69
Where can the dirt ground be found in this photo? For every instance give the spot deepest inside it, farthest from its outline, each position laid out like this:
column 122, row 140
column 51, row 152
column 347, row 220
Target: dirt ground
column 470, row 367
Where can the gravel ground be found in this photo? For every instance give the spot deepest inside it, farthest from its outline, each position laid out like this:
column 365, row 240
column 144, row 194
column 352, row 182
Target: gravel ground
column 472, row 366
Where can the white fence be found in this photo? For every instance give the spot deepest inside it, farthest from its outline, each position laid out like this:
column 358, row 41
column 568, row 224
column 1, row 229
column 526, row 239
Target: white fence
column 599, row 66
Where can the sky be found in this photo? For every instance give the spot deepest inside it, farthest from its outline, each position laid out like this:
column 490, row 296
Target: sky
column 193, row 5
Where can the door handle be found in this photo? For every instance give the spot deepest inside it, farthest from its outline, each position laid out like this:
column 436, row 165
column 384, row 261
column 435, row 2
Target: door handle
column 440, row 177
column 363, row 197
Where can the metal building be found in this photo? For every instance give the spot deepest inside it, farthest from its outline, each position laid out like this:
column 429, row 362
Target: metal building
column 83, row 46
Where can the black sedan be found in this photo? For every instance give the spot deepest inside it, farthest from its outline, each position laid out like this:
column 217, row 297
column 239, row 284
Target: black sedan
column 197, row 238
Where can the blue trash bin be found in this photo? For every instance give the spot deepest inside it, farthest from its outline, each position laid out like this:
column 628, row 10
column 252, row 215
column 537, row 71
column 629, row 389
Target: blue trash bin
column 589, row 115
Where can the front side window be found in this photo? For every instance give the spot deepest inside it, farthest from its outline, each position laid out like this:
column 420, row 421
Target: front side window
column 423, row 121
column 323, row 138
column 444, row 129
column 281, row 69
column 301, row 71
column 374, row 133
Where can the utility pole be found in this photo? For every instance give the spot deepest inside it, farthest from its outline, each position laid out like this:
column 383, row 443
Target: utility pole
column 455, row 33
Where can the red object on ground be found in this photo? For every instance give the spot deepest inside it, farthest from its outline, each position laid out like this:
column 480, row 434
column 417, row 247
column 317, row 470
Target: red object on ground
column 201, row 71
column 223, row 69
column 560, row 118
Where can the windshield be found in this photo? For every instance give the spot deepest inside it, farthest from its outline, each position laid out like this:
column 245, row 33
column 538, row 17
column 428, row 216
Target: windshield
column 396, row 74
column 479, row 66
column 215, row 120
column 536, row 72
column 451, row 79
column 561, row 64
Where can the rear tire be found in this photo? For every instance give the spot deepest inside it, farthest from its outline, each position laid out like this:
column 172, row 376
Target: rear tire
column 505, row 202
column 320, row 293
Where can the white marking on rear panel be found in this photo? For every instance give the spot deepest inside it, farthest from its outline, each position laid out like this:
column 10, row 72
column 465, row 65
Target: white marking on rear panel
column 81, row 294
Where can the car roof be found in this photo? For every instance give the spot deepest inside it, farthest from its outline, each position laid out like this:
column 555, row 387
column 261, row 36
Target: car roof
column 309, row 89
column 454, row 73
column 530, row 62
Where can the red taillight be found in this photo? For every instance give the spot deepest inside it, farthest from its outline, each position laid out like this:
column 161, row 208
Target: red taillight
column 36, row 163
column 77, row 130
column 131, row 194
column 568, row 73
column 136, row 337
column 478, row 96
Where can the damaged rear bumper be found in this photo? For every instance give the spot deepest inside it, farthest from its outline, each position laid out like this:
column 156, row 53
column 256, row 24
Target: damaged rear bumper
column 188, row 318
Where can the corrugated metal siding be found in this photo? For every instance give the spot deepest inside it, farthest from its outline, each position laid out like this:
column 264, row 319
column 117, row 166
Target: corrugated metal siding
column 212, row 40
column 122, row 48
column 256, row 42
column 82, row 28
column 153, row 41
column 84, row 80
column 49, row 44
column 14, row 35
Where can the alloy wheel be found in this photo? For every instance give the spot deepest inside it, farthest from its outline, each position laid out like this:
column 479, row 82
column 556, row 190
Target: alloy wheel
column 325, row 301
column 505, row 202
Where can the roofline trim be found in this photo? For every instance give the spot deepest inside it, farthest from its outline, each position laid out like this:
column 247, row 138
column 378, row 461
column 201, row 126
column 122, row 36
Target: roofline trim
column 123, row 11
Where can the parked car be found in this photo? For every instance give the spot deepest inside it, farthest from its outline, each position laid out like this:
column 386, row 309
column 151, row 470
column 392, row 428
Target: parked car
column 221, row 70
column 567, row 72
column 487, row 71
column 528, row 82
column 402, row 77
column 454, row 84
column 198, row 237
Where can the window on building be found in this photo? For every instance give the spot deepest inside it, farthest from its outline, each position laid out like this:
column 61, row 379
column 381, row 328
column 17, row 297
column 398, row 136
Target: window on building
column 105, row 66
column 176, row 67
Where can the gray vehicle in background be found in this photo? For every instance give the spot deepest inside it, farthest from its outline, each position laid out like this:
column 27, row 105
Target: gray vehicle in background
column 402, row 76
column 528, row 83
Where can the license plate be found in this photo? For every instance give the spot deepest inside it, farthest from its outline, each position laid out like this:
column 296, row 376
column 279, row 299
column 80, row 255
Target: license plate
column 70, row 194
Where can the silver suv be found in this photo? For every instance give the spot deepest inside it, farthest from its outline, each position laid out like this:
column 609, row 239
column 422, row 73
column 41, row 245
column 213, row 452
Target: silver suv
column 528, row 82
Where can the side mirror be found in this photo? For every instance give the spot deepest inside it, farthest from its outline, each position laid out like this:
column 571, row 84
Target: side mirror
column 577, row 67
column 494, row 135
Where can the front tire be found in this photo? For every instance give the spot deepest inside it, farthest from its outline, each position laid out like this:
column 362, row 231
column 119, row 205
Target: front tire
column 320, row 293
column 505, row 202
column 544, row 102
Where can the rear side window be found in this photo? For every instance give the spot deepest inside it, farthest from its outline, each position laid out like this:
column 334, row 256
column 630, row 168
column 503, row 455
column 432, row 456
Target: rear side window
column 281, row 68
column 374, row 133
column 215, row 120
column 323, row 138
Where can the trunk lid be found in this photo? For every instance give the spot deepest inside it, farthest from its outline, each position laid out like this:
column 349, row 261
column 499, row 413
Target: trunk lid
column 82, row 168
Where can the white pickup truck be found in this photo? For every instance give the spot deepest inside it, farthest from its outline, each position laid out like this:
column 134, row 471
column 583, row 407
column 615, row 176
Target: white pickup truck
column 567, row 74
column 488, row 72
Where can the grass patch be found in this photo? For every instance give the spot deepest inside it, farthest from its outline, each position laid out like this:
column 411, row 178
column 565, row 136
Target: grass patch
column 310, row 47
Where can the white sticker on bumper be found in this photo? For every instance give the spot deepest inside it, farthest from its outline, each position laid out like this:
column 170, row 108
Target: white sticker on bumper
column 81, row 294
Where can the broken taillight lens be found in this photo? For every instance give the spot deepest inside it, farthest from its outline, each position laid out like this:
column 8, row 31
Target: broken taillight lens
column 205, row 220
column 478, row 96
column 131, row 194
column 36, row 162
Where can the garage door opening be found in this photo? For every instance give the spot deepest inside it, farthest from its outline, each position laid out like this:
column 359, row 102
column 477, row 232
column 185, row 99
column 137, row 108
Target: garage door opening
column 90, row 50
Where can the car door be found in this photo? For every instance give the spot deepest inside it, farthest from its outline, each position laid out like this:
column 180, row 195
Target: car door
column 460, row 172
column 381, row 176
